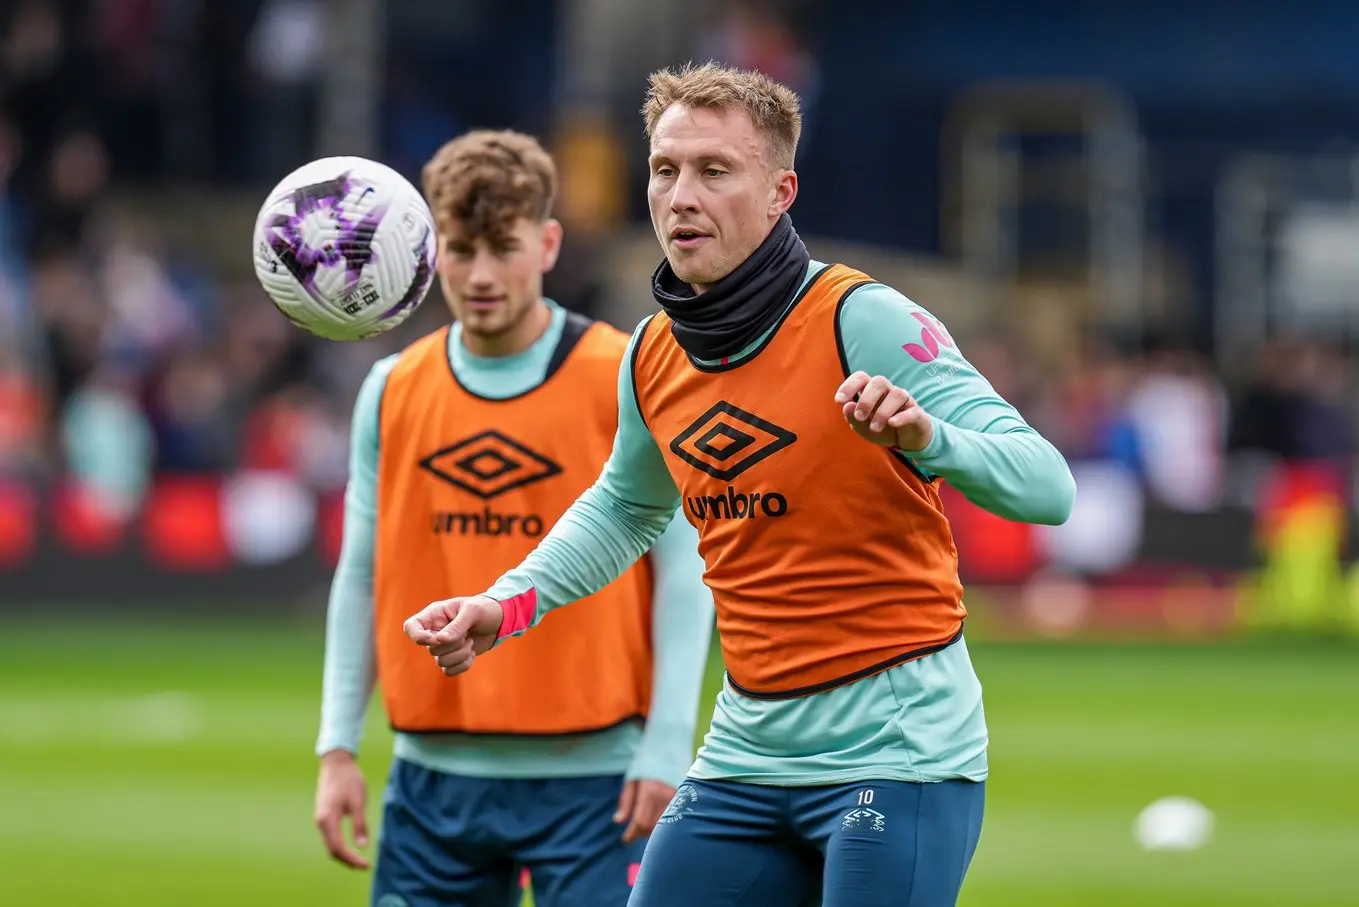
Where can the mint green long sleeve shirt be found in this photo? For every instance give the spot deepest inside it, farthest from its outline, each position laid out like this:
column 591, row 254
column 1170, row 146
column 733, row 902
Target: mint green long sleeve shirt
column 660, row 750
column 919, row 721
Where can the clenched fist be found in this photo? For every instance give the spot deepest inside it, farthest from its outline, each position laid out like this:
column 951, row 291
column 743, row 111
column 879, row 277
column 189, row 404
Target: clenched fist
column 883, row 413
column 456, row 630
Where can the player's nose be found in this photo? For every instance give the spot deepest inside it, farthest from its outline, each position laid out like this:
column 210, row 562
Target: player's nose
column 684, row 194
column 483, row 274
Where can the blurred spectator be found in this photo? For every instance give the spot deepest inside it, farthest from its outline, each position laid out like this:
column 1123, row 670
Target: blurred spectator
column 1085, row 412
column 1323, row 417
column 23, row 414
column 298, row 431
column 45, row 81
column 15, row 327
column 1296, row 404
column 72, row 191
column 195, row 413
column 107, row 442
column 1262, row 420
column 146, row 315
column 127, row 36
column 286, row 50
column 263, row 351
column 70, row 317
column 1178, row 411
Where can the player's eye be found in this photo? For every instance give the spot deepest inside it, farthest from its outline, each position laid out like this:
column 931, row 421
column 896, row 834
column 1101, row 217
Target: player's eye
column 713, row 171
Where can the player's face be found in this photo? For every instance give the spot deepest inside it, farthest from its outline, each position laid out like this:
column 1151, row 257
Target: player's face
column 493, row 287
column 712, row 194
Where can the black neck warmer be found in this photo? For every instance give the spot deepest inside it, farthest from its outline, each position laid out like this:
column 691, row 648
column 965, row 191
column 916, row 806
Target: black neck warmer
column 739, row 307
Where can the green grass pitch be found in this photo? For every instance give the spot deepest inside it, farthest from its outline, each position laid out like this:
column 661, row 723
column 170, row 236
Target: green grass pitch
column 157, row 767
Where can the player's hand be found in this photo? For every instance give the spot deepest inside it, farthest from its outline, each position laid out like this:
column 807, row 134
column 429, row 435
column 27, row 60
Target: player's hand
column 641, row 806
column 340, row 793
column 456, row 630
column 883, row 413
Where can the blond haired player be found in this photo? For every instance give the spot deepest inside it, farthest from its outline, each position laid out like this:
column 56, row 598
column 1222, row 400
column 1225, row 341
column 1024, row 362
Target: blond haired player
column 800, row 414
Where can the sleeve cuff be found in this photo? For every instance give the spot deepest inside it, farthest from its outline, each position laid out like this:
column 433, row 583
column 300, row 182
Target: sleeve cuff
column 667, row 771
column 930, row 450
column 330, row 745
column 664, row 754
column 518, row 612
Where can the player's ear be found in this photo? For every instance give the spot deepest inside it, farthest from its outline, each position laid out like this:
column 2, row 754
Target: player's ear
column 552, row 243
column 785, row 192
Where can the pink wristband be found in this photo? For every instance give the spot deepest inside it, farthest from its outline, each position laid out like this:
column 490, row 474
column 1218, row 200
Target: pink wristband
column 517, row 613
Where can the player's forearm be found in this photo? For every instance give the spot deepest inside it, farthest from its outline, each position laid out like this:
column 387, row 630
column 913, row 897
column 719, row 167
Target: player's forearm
column 593, row 543
column 981, row 443
column 348, row 672
column 682, row 629
column 1018, row 474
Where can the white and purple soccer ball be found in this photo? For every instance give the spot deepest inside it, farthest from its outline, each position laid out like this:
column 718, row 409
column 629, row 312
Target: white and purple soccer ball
column 345, row 247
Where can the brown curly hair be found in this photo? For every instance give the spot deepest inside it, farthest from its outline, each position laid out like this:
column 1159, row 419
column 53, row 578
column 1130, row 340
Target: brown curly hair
column 480, row 184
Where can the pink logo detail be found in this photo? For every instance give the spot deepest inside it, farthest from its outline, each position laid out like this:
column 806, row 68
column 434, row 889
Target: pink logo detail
column 932, row 336
column 633, row 869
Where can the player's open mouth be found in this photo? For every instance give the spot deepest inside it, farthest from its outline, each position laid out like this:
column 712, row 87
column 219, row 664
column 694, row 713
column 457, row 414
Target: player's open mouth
column 688, row 239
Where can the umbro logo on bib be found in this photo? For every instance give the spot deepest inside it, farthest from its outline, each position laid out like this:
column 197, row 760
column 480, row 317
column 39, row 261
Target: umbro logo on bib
column 726, row 441
column 489, row 464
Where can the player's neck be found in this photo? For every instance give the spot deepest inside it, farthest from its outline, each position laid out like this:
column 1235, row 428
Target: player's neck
column 519, row 338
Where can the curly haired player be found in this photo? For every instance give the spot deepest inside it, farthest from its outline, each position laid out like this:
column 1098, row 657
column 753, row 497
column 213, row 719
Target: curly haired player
column 468, row 446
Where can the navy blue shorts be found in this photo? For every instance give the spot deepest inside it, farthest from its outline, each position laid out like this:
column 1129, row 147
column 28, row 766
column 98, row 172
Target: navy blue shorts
column 867, row 844
column 453, row 841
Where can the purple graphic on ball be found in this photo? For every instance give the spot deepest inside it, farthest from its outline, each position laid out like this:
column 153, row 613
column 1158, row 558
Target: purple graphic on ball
column 352, row 243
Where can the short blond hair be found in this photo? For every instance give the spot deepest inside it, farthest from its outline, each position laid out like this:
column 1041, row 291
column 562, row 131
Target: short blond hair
column 481, row 183
column 774, row 108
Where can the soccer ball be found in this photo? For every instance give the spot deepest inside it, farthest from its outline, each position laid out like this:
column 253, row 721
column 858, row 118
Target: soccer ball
column 345, row 248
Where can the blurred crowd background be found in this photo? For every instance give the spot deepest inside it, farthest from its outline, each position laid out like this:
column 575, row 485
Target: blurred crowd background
column 1144, row 237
